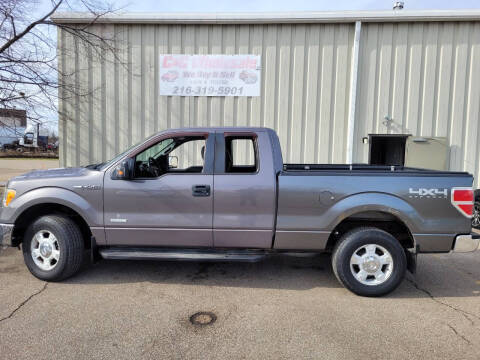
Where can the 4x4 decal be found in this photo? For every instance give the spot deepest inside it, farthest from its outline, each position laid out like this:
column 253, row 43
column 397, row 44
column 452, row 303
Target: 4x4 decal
column 428, row 193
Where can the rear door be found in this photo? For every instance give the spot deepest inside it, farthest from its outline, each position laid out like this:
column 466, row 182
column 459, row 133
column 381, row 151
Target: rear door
column 245, row 190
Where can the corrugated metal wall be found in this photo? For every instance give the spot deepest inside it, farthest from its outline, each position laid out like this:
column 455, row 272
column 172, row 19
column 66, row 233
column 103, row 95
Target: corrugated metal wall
column 426, row 77
column 304, row 94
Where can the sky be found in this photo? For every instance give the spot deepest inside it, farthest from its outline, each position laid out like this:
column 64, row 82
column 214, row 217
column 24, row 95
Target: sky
column 276, row 5
column 287, row 5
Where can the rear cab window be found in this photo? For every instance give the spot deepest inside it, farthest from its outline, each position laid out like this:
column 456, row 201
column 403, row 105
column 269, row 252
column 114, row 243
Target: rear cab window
column 241, row 155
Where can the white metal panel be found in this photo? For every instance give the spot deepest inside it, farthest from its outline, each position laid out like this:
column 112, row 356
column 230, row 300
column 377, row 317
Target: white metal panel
column 422, row 74
column 122, row 88
column 61, row 94
column 81, row 107
column 304, row 91
column 70, row 145
column 425, row 77
column 96, row 102
column 353, row 91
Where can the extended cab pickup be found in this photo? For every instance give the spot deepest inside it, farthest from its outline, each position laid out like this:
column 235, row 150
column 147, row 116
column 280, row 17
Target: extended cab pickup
column 209, row 194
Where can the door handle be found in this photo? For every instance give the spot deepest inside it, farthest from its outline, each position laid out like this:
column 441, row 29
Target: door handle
column 201, row 190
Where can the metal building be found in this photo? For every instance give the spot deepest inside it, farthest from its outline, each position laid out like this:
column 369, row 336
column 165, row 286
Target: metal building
column 328, row 80
column 12, row 125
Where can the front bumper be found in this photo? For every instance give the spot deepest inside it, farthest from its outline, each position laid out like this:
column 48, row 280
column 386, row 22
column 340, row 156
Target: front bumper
column 467, row 243
column 6, row 231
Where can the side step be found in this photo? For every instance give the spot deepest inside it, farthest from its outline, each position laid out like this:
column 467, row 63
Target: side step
column 113, row 253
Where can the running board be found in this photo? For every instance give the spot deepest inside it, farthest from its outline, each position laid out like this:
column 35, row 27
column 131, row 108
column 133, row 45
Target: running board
column 181, row 255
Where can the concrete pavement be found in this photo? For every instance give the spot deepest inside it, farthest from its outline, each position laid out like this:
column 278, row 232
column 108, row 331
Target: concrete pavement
column 10, row 167
column 280, row 308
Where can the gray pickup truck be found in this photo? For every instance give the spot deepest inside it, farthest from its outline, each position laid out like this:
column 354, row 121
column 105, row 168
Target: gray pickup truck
column 224, row 194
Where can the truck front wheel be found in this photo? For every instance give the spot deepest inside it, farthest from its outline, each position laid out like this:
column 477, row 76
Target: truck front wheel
column 369, row 262
column 53, row 248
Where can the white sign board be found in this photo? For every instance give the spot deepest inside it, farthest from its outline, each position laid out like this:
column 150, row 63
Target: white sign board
column 210, row 75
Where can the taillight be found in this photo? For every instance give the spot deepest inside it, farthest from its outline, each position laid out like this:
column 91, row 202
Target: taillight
column 462, row 199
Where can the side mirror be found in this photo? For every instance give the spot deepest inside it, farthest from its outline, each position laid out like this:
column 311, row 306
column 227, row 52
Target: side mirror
column 124, row 171
column 173, row 162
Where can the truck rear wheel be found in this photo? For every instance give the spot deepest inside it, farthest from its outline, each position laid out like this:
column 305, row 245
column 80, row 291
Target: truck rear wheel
column 369, row 262
column 53, row 248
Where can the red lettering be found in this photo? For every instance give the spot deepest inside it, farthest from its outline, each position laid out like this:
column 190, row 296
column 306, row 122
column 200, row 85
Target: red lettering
column 171, row 61
column 167, row 61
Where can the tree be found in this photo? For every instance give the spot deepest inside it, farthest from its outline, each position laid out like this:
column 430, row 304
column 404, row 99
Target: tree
column 28, row 61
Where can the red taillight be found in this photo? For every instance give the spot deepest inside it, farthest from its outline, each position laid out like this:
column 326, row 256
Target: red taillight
column 461, row 195
column 462, row 199
column 466, row 208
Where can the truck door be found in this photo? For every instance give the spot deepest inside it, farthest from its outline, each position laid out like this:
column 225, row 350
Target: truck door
column 169, row 201
column 245, row 190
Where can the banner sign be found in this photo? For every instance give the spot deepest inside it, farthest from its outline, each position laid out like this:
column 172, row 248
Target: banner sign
column 210, row 75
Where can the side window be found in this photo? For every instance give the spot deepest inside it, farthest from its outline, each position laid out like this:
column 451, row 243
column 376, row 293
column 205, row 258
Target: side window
column 28, row 138
column 174, row 155
column 156, row 150
column 241, row 154
column 189, row 156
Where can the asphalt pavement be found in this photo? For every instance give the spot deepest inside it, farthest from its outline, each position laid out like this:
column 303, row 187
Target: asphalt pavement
column 280, row 308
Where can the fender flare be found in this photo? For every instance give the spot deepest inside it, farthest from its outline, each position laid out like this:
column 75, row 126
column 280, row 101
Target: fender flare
column 374, row 201
column 56, row 195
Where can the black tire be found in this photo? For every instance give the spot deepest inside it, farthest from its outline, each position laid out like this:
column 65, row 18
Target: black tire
column 354, row 240
column 70, row 242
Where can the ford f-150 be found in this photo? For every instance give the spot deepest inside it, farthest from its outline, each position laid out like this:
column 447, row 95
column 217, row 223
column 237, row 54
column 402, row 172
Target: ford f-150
column 224, row 194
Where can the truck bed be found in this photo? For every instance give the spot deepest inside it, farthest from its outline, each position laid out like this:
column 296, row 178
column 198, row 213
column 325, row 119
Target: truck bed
column 362, row 169
column 313, row 199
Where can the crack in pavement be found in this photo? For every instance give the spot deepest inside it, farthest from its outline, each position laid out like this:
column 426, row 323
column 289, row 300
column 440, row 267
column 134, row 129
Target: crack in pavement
column 25, row 302
column 459, row 335
column 465, row 314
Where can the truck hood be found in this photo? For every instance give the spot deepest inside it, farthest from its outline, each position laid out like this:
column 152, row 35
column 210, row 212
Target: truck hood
column 72, row 179
column 52, row 173
column 76, row 188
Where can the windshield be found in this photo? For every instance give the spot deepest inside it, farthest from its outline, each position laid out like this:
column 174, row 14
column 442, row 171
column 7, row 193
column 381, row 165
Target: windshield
column 104, row 165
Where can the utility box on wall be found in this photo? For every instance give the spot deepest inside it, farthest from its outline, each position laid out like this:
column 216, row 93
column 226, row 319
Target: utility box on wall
column 387, row 149
column 407, row 150
column 427, row 153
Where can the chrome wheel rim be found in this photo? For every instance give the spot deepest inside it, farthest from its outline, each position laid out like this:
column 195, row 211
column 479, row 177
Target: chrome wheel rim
column 371, row 264
column 45, row 250
column 476, row 216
